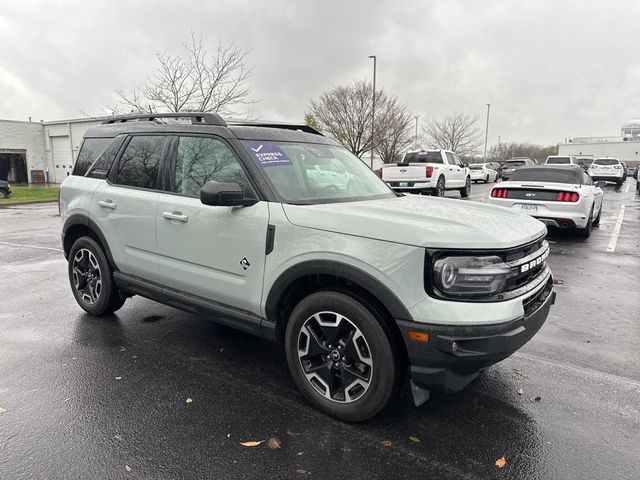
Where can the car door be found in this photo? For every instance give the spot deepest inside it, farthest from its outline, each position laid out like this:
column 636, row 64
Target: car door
column 455, row 174
column 124, row 206
column 214, row 252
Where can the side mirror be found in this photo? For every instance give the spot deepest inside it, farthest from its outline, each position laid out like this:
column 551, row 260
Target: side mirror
column 601, row 183
column 223, row 194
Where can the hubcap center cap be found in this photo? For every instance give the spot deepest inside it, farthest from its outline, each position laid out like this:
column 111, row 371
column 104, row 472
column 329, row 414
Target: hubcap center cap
column 335, row 355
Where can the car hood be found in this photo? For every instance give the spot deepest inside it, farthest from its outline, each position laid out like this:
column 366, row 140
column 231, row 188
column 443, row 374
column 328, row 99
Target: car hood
column 422, row 221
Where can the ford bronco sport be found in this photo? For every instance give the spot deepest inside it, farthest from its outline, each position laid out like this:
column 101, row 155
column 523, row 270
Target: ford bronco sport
column 281, row 232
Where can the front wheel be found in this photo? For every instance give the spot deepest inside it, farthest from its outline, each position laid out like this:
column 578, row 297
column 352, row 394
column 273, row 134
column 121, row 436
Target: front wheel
column 341, row 356
column 91, row 278
column 466, row 190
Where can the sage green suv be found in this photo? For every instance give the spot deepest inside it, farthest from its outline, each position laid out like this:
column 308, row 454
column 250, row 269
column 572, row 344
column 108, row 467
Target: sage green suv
column 280, row 232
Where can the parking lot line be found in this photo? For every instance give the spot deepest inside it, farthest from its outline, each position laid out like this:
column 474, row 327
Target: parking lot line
column 626, row 190
column 616, row 231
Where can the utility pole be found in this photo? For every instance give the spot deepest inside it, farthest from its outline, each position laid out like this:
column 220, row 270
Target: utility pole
column 415, row 144
column 373, row 110
column 486, row 133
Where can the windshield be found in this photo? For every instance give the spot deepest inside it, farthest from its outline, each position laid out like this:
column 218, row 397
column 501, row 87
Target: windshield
column 546, row 175
column 558, row 161
column 606, row 161
column 422, row 157
column 304, row 173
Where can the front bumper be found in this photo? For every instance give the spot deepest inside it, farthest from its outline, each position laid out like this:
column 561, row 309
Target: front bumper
column 454, row 356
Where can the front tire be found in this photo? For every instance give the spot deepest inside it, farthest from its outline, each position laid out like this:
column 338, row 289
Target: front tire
column 342, row 357
column 466, row 190
column 91, row 278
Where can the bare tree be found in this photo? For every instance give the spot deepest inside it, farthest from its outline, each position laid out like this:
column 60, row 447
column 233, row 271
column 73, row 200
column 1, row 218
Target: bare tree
column 345, row 113
column 457, row 132
column 507, row 150
column 192, row 80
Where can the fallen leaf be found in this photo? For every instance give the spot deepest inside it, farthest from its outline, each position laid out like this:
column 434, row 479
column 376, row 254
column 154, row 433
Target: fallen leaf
column 2, row 410
column 501, row 462
column 414, row 439
column 221, row 350
column 251, row 443
column 127, row 468
column 386, row 443
column 274, row 442
column 537, row 398
column 520, row 391
column 189, row 400
column 301, row 472
column 558, row 281
column 134, row 356
column 299, row 454
column 118, row 378
column 293, row 434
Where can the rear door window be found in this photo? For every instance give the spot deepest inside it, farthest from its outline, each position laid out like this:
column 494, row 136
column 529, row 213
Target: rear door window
column 140, row 162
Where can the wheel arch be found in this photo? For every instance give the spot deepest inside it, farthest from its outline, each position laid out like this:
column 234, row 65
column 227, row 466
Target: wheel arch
column 317, row 275
column 79, row 225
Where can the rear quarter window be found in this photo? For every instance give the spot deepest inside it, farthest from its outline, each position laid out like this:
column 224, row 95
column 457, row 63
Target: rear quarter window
column 100, row 167
column 91, row 149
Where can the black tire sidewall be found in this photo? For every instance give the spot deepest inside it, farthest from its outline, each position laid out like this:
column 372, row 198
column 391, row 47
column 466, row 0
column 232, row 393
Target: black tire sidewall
column 105, row 303
column 385, row 368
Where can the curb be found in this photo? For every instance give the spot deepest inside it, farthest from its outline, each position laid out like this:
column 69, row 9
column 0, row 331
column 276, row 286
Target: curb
column 29, row 202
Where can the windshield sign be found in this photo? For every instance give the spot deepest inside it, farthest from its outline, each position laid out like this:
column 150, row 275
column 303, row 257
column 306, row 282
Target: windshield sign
column 305, row 173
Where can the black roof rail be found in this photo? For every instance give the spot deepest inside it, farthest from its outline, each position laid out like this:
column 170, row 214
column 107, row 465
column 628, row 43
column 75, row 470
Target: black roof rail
column 196, row 118
column 284, row 126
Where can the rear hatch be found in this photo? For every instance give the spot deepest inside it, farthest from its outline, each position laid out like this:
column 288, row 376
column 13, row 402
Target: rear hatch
column 535, row 198
column 606, row 167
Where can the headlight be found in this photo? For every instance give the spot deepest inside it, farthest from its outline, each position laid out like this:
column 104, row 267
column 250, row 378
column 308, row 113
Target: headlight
column 471, row 276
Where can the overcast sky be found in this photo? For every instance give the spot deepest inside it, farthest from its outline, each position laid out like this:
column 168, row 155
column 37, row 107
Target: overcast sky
column 549, row 68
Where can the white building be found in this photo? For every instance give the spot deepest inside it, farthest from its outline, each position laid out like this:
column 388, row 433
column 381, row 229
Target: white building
column 626, row 147
column 37, row 152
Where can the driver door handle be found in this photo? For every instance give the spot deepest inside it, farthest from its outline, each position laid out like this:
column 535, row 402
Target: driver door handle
column 107, row 204
column 178, row 216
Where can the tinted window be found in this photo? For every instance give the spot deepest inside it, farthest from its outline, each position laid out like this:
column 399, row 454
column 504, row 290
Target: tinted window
column 138, row 166
column 514, row 163
column 104, row 161
column 457, row 161
column 450, row 159
column 558, row 161
column 90, row 150
column 586, row 179
column 606, row 161
column 549, row 175
column 422, row 157
column 200, row 159
column 475, row 167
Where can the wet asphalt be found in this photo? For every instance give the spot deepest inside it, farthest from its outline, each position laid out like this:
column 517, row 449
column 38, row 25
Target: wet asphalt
column 88, row 398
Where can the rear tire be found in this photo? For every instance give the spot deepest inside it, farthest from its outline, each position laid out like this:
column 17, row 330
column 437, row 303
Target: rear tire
column 466, row 190
column 3, row 194
column 440, row 189
column 91, row 279
column 596, row 221
column 586, row 231
column 343, row 359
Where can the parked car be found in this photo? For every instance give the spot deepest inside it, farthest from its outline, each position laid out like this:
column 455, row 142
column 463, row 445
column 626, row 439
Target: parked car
column 5, row 189
column 624, row 171
column 635, row 172
column 559, row 196
column 428, row 172
column 360, row 284
column 561, row 160
column 631, row 171
column 584, row 163
column 607, row 169
column 484, row 172
column 512, row 165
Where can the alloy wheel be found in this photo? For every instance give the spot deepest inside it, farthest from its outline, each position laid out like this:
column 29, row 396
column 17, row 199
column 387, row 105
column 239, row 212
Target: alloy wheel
column 87, row 277
column 335, row 357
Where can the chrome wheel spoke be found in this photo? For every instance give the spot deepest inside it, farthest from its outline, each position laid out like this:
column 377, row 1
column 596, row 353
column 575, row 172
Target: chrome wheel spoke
column 87, row 277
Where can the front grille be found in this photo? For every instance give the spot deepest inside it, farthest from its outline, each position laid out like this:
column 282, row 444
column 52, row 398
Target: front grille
column 530, row 262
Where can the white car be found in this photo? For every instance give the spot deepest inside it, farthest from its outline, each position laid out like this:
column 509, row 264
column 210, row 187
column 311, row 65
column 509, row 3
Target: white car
column 561, row 160
column 559, row 196
column 607, row 169
column 484, row 172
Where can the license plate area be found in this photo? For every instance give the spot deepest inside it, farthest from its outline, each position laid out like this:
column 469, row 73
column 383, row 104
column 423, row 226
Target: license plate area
column 403, row 184
column 528, row 208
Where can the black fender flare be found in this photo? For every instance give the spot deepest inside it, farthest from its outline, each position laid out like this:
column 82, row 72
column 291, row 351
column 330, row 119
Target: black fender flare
column 340, row 270
column 85, row 221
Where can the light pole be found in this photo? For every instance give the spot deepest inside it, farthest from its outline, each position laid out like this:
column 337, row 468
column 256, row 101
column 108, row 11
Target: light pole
column 415, row 144
column 486, row 133
column 373, row 109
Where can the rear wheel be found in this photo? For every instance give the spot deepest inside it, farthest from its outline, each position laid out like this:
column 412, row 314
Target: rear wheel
column 440, row 188
column 91, row 278
column 466, row 190
column 596, row 221
column 3, row 194
column 486, row 179
column 341, row 356
column 586, row 231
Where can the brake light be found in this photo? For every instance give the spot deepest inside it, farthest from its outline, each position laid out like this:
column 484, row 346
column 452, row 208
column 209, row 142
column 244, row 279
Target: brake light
column 567, row 197
column 593, row 166
column 429, row 171
column 500, row 193
column 617, row 167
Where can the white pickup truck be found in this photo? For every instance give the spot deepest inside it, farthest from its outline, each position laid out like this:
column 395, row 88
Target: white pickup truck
column 428, row 171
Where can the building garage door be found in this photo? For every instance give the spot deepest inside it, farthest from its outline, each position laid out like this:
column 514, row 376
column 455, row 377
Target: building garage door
column 62, row 159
